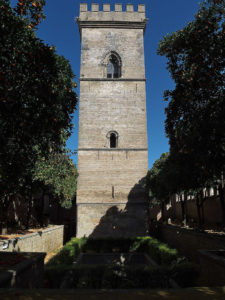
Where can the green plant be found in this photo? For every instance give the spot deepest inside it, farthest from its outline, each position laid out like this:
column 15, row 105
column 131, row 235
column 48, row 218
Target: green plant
column 116, row 275
column 69, row 252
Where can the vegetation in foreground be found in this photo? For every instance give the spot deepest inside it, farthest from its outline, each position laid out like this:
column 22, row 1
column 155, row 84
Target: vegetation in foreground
column 170, row 265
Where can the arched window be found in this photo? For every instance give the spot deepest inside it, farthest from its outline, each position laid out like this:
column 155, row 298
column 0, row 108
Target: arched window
column 113, row 67
column 112, row 137
column 113, row 140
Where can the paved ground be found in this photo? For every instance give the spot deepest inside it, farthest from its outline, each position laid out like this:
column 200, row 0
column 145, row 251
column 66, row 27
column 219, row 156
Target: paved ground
column 201, row 293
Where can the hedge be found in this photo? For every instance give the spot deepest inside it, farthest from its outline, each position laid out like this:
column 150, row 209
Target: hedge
column 99, row 276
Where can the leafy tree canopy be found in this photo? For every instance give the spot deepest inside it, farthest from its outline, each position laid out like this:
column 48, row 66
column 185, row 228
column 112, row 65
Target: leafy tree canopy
column 157, row 181
column 37, row 95
column 58, row 175
column 195, row 115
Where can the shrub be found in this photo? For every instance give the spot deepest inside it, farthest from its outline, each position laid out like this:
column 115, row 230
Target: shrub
column 115, row 275
column 69, row 252
column 157, row 250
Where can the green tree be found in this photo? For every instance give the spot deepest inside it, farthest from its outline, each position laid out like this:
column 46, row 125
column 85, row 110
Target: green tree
column 158, row 182
column 59, row 177
column 37, row 98
column 195, row 114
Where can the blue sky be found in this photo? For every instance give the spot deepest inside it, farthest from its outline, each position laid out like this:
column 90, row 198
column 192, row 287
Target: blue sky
column 165, row 16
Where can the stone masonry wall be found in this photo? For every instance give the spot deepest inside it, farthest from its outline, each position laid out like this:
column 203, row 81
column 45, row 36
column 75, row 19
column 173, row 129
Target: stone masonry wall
column 112, row 105
column 99, row 171
column 115, row 220
column 46, row 240
column 111, row 194
column 98, row 42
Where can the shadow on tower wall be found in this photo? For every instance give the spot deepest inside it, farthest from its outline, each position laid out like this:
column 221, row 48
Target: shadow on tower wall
column 129, row 220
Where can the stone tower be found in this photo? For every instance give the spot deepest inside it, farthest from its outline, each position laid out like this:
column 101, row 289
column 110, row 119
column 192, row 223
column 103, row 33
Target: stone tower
column 112, row 150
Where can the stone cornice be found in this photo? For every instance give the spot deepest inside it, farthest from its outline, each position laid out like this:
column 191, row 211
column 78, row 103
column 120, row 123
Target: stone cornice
column 112, row 24
column 113, row 149
column 112, row 79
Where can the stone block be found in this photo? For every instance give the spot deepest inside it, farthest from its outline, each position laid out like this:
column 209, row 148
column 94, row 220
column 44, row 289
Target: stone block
column 83, row 7
column 118, row 7
column 106, row 7
column 130, row 7
column 141, row 8
column 95, row 7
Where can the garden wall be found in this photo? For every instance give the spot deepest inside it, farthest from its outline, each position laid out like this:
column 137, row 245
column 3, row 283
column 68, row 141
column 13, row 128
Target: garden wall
column 46, row 240
column 27, row 273
column 211, row 211
column 188, row 241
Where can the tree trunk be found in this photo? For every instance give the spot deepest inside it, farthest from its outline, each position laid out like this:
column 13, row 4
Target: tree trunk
column 199, row 211
column 222, row 203
column 28, row 213
column 39, row 210
column 4, row 206
column 162, row 211
column 183, row 210
column 202, row 200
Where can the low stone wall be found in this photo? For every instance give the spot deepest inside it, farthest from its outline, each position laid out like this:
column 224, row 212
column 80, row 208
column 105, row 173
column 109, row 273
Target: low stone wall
column 188, row 241
column 211, row 209
column 46, row 240
column 28, row 273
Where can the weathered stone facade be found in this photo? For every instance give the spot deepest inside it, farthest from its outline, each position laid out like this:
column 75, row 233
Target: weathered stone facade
column 111, row 198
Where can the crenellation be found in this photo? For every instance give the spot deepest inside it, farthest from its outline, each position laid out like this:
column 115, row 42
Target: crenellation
column 83, row 7
column 130, row 7
column 106, row 7
column 95, row 7
column 141, row 8
column 118, row 7
column 112, row 14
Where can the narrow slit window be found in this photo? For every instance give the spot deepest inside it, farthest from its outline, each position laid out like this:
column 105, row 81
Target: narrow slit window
column 113, row 140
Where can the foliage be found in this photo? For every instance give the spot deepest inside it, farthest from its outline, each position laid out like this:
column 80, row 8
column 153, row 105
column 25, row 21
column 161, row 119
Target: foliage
column 68, row 253
column 59, row 177
column 158, row 181
column 32, row 10
column 118, row 275
column 159, row 251
column 195, row 114
column 36, row 98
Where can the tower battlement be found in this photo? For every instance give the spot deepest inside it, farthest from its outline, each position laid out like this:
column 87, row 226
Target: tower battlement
column 108, row 14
